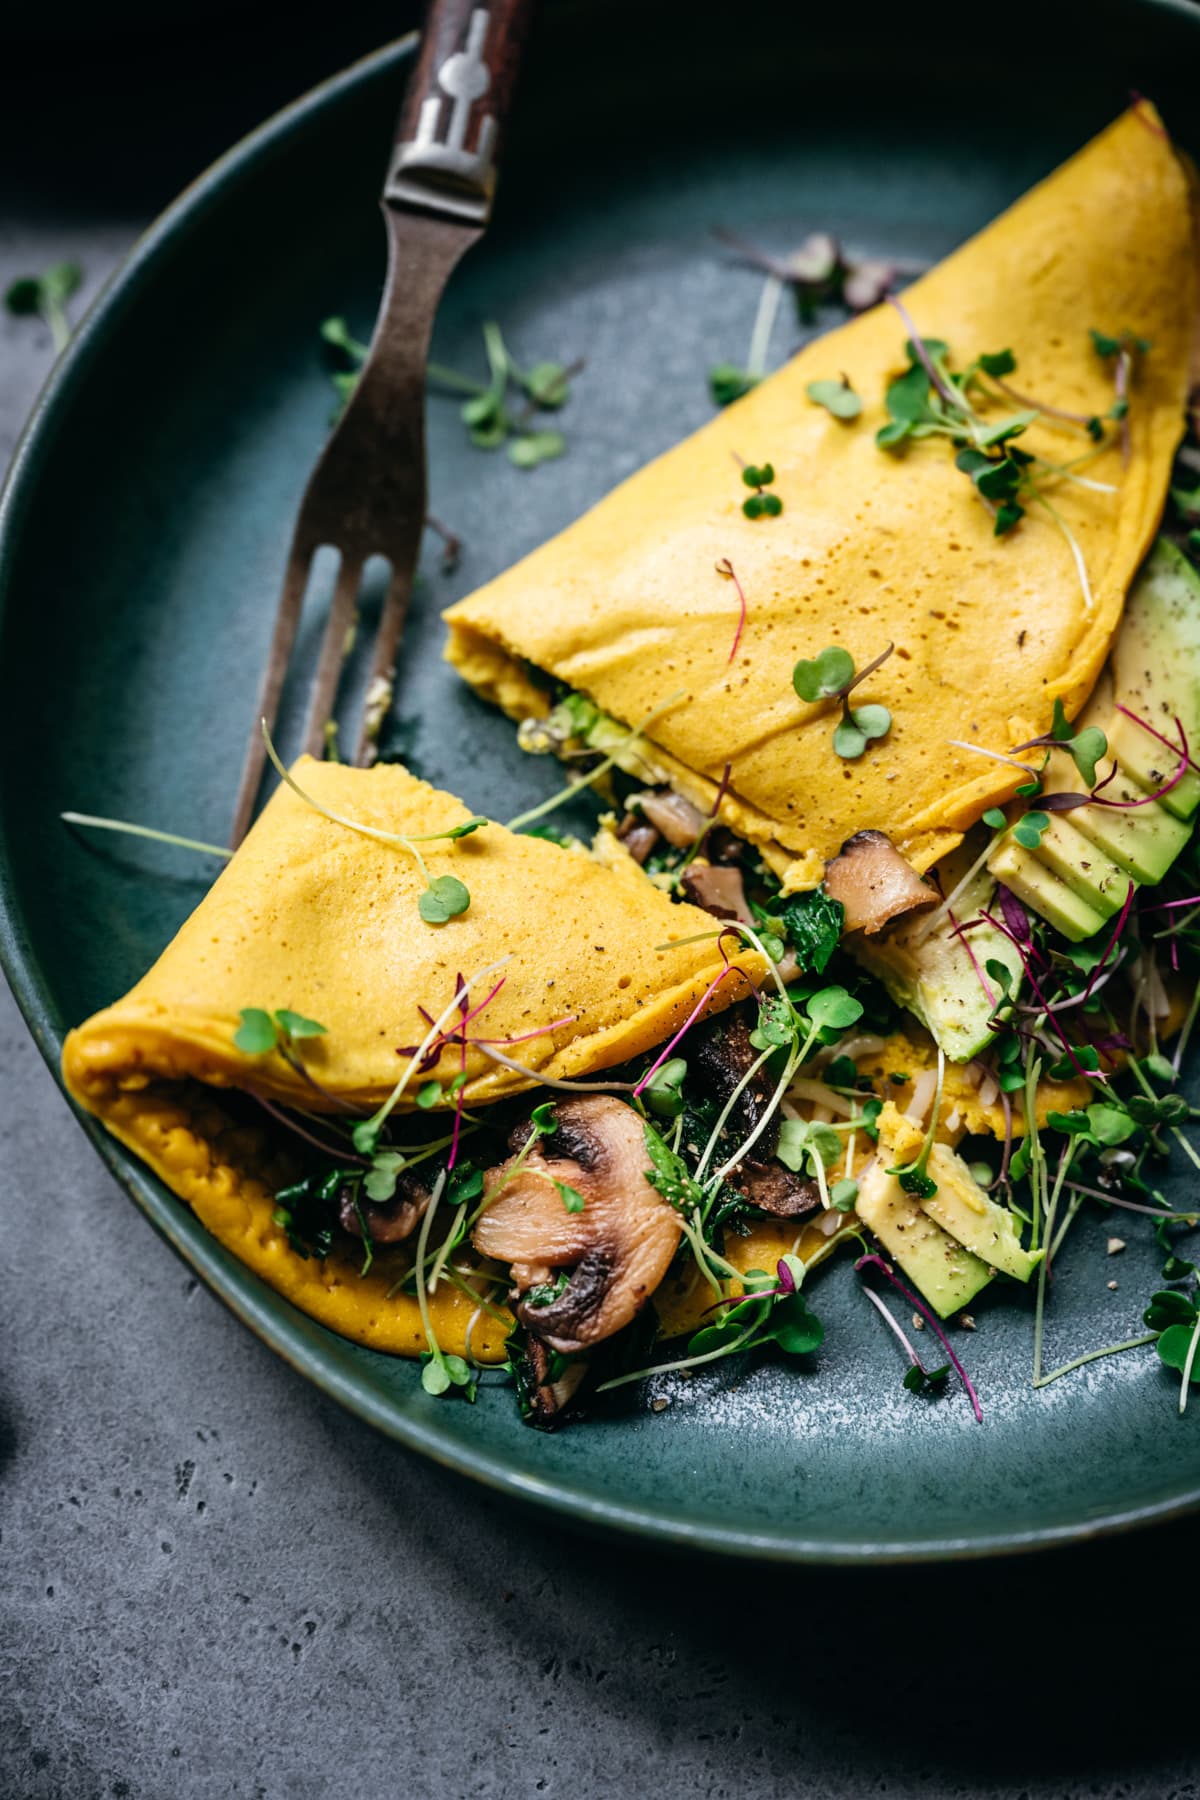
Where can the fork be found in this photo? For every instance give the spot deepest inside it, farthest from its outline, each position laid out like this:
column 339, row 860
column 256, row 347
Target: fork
column 366, row 496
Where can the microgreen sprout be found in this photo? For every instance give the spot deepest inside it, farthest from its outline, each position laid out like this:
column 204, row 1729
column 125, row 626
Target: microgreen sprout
column 917, row 1378
column 440, row 1374
column 831, row 675
column 877, row 1263
column 932, row 400
column 366, row 1133
column 487, row 411
column 820, row 271
column 727, row 382
column 96, row 823
column 837, row 397
column 914, row 1177
column 760, row 504
column 445, row 896
column 1085, row 748
column 768, row 1311
column 726, row 568
column 261, row 1032
column 45, row 297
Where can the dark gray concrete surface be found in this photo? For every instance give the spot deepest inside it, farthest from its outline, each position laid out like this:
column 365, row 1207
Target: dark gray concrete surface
column 213, row 1583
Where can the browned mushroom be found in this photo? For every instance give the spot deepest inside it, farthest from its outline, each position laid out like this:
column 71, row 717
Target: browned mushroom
column 619, row 1246
column 720, row 1055
column 719, row 890
column 679, row 821
column 778, row 1191
column 545, row 1395
column 874, row 882
column 392, row 1222
column 638, row 837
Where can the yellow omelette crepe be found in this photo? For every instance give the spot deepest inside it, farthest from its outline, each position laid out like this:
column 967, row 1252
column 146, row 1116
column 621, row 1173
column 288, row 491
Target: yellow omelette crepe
column 322, row 920
column 628, row 605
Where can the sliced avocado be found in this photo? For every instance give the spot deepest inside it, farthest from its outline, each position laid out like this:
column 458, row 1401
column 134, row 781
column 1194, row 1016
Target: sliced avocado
column 928, row 968
column 1032, row 882
column 946, row 1273
column 1156, row 656
column 1152, row 763
column 962, row 1208
column 1154, row 672
column 1068, row 854
column 1143, row 840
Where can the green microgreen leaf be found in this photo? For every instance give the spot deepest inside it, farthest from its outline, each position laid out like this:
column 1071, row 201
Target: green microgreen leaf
column 998, row 363
column 728, row 383
column 995, row 819
column 802, row 1145
column 1174, row 1347
column 843, row 1194
column 380, row 1179
column 45, row 296
column 829, row 672
column 1169, row 1308
column 445, row 898
column 571, row 1198
column 295, row 1025
column 547, row 384
column 257, row 1034
column 544, row 1119
column 1028, row 829
column 535, row 447
column 663, row 1093
column 429, row 1094
column 907, row 397
column 861, row 726
column 833, row 1009
column 837, row 397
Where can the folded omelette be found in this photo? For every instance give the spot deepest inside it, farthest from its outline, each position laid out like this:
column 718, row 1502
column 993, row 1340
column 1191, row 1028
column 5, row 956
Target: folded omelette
column 321, row 920
column 633, row 606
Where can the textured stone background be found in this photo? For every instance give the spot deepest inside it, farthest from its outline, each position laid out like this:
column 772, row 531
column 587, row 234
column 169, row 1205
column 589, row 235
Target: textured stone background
column 216, row 1584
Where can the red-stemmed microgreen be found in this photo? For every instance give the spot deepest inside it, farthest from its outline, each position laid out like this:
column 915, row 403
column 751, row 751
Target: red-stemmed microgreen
column 877, row 1263
column 367, row 1132
column 1123, row 351
column 917, row 1378
column 1085, row 747
column 821, row 271
column 831, row 675
column 726, row 568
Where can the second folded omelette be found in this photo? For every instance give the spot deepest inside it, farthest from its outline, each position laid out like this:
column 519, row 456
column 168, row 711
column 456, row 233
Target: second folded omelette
column 636, row 607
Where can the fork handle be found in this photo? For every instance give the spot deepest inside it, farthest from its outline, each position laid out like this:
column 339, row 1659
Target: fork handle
column 455, row 107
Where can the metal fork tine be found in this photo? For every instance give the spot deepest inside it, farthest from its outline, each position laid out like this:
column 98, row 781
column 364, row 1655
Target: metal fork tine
column 287, row 621
column 333, row 654
column 383, row 664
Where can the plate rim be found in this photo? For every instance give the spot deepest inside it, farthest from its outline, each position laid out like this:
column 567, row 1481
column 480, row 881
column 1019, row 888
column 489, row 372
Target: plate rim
column 245, row 1296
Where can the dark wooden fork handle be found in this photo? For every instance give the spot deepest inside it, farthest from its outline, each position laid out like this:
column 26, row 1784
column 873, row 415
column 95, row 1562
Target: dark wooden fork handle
column 455, row 107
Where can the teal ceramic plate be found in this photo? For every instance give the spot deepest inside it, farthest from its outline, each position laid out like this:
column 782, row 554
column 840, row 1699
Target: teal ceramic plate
column 145, row 526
